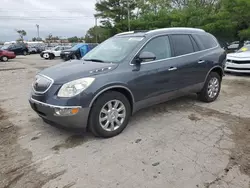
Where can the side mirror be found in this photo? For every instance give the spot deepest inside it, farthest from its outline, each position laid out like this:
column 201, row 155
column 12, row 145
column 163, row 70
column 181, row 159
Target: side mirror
column 146, row 56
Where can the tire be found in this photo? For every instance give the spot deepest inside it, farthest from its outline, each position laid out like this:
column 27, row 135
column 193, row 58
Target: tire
column 46, row 55
column 102, row 102
column 25, row 53
column 51, row 56
column 4, row 58
column 211, row 88
column 74, row 57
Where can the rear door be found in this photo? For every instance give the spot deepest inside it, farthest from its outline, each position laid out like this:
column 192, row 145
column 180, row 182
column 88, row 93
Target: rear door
column 18, row 49
column 191, row 65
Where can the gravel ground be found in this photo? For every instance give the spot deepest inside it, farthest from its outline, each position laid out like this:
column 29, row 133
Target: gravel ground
column 181, row 143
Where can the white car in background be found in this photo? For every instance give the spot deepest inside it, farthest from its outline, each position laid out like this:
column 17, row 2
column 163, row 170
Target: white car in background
column 239, row 61
column 54, row 52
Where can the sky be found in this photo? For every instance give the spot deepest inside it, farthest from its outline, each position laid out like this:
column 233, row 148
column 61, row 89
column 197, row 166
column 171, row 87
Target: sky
column 64, row 18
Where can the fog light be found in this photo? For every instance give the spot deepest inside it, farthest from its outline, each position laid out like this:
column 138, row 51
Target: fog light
column 66, row 111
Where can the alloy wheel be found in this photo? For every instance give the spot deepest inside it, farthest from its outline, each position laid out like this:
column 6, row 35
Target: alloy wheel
column 213, row 87
column 112, row 115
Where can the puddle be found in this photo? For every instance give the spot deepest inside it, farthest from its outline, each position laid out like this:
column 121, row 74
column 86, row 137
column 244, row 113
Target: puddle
column 71, row 142
column 193, row 117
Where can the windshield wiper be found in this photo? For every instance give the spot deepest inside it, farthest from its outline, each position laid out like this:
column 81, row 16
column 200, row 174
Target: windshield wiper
column 95, row 60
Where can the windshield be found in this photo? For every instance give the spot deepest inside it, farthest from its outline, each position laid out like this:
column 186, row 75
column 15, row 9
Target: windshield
column 245, row 49
column 76, row 46
column 114, row 49
column 5, row 47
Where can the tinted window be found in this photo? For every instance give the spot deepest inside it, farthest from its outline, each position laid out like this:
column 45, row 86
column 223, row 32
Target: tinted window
column 196, row 48
column 159, row 46
column 207, row 41
column 182, row 44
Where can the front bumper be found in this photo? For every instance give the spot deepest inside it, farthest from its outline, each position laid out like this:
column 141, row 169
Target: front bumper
column 65, row 57
column 47, row 111
column 238, row 68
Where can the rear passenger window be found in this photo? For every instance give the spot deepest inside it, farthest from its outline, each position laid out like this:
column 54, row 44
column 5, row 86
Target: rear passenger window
column 182, row 44
column 159, row 46
column 206, row 41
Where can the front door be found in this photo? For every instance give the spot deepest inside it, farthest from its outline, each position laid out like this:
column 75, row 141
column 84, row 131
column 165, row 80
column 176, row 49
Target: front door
column 156, row 80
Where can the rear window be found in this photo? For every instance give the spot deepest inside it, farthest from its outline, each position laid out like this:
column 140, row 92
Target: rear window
column 182, row 44
column 206, row 41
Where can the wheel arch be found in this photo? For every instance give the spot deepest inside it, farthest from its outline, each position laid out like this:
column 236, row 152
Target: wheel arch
column 216, row 69
column 122, row 89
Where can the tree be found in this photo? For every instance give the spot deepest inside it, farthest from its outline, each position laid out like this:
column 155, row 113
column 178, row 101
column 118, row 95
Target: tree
column 115, row 10
column 97, row 32
column 21, row 33
column 74, row 39
column 228, row 20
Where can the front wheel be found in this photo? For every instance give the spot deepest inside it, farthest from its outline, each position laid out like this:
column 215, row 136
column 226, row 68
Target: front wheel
column 109, row 115
column 25, row 53
column 4, row 58
column 211, row 88
column 46, row 55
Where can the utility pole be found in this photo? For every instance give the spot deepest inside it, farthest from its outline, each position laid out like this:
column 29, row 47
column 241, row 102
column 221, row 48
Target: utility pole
column 37, row 26
column 128, row 15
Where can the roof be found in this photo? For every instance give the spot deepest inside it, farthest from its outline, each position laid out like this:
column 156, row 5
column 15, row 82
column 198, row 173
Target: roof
column 173, row 30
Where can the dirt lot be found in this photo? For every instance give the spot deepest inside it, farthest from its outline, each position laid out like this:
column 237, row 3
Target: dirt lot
column 179, row 144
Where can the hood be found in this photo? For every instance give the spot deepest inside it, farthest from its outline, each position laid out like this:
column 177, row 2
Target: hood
column 68, row 50
column 245, row 55
column 7, row 51
column 47, row 51
column 76, row 69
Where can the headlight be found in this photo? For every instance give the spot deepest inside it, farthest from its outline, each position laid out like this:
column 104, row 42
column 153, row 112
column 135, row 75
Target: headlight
column 75, row 87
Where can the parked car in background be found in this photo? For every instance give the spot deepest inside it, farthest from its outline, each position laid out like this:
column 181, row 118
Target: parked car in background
column 77, row 51
column 18, row 48
column 6, row 55
column 54, row 52
column 126, row 73
column 32, row 50
column 239, row 61
column 233, row 46
column 39, row 48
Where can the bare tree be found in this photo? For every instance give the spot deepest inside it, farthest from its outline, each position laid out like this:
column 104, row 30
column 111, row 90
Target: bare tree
column 21, row 33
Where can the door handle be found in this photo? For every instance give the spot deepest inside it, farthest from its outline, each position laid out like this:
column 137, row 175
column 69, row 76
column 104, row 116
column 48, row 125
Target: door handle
column 172, row 68
column 201, row 61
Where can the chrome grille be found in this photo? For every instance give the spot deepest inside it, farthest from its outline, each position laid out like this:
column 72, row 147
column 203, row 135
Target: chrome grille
column 239, row 62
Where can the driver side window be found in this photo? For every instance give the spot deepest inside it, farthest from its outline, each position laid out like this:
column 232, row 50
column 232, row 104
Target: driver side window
column 159, row 46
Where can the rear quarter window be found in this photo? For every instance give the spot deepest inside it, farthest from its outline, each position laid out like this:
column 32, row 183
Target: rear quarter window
column 206, row 41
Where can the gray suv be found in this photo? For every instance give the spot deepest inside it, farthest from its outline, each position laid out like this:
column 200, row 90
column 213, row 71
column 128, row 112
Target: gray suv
column 128, row 72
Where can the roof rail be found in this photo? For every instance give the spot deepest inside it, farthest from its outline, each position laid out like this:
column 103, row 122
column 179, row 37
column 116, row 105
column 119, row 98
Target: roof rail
column 131, row 32
column 177, row 28
column 125, row 33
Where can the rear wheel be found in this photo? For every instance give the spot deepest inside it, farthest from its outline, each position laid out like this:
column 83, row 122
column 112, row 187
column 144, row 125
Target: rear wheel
column 109, row 115
column 211, row 89
column 4, row 58
column 25, row 53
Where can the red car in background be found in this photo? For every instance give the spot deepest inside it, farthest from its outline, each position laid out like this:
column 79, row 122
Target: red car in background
column 6, row 55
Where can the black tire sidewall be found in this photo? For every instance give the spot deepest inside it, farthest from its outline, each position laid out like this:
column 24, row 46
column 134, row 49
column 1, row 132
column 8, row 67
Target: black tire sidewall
column 205, row 89
column 94, row 124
